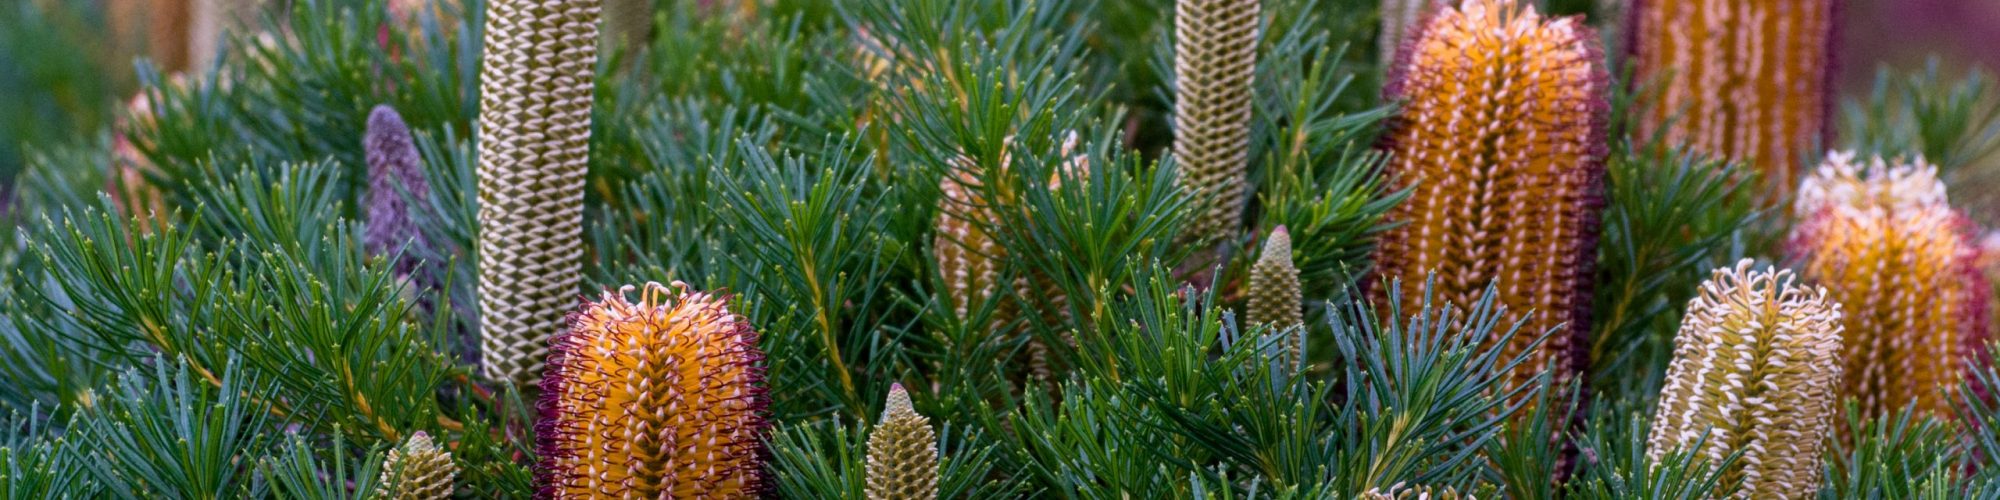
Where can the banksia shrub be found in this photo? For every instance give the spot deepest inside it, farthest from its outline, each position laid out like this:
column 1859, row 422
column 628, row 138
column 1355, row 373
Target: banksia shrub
column 1274, row 296
column 1754, row 373
column 395, row 183
column 535, row 99
column 1883, row 239
column 659, row 398
column 1215, row 63
column 1744, row 79
column 902, row 452
column 1515, row 195
column 417, row 470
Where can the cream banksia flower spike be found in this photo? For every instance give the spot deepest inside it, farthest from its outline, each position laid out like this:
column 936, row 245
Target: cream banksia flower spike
column 902, row 452
column 1755, row 371
column 1400, row 492
column 1503, row 137
column 534, row 150
column 660, row 398
column 1882, row 237
column 417, row 470
column 1745, row 79
column 968, row 256
column 1275, row 300
column 1215, row 64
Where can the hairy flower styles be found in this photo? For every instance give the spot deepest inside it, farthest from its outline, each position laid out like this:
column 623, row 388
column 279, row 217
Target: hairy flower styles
column 1745, row 79
column 1883, row 239
column 1755, row 371
column 662, row 397
column 1503, row 136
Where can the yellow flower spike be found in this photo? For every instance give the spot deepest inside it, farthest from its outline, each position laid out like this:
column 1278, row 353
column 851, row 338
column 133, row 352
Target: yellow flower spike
column 1744, row 79
column 658, row 398
column 1882, row 238
column 1503, row 136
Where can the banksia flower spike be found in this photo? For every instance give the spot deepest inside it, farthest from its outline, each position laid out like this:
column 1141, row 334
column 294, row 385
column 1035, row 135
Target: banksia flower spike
column 417, row 470
column 1274, row 296
column 535, row 99
column 1215, row 62
column 1755, row 371
column 395, row 182
column 1744, row 79
column 1400, row 492
column 662, row 398
column 968, row 257
column 1503, row 136
column 1883, row 239
column 902, row 452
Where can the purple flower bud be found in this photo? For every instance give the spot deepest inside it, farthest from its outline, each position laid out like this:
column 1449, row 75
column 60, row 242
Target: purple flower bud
column 396, row 186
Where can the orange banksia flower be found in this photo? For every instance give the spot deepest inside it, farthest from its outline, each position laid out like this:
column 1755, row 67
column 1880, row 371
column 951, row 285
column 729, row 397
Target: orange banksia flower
column 1756, row 372
column 1503, row 136
column 1881, row 237
column 659, row 398
column 1745, row 79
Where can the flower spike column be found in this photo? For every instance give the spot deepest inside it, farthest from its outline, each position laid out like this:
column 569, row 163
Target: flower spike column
column 1883, row 239
column 1744, row 79
column 902, row 452
column 1215, row 64
column 534, row 150
column 968, row 256
column 417, row 470
column 1275, row 300
column 660, row 398
column 395, row 182
column 1502, row 134
column 1756, row 371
